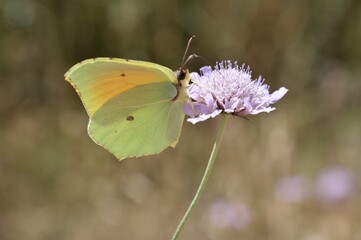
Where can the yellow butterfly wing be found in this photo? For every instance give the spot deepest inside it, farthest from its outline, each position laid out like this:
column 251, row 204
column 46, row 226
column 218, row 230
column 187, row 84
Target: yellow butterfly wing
column 135, row 108
column 99, row 79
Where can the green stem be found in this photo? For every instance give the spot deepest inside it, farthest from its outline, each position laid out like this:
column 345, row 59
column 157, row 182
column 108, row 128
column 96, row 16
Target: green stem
column 205, row 178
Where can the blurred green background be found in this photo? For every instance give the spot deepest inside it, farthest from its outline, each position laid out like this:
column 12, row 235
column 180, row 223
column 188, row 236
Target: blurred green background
column 291, row 174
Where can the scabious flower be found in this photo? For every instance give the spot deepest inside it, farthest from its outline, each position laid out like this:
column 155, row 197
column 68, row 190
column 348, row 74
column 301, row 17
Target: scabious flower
column 335, row 184
column 293, row 189
column 228, row 214
column 228, row 89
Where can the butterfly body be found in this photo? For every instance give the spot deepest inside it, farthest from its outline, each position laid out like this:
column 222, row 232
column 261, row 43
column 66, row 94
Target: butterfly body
column 135, row 108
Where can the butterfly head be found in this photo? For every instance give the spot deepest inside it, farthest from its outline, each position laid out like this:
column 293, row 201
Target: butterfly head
column 182, row 74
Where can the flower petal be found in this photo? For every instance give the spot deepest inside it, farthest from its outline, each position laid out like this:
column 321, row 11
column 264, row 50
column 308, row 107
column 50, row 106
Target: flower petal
column 277, row 95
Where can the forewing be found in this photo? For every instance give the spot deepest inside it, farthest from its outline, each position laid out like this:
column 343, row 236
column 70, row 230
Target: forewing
column 100, row 79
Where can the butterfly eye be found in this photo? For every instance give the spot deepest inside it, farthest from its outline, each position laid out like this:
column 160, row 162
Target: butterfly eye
column 181, row 74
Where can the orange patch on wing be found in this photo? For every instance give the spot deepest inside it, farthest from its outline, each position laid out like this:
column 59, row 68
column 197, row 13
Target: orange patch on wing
column 118, row 82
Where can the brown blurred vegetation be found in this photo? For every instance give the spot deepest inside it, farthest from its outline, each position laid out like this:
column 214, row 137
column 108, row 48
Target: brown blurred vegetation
column 55, row 183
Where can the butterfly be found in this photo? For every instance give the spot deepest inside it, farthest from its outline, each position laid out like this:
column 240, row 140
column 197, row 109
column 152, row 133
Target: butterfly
column 135, row 108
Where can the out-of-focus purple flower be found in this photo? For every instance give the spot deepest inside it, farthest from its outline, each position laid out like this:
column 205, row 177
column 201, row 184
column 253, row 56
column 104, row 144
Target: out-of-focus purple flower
column 335, row 185
column 226, row 214
column 228, row 89
column 293, row 189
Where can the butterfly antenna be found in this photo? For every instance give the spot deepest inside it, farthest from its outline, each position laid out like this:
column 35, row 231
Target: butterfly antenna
column 184, row 61
column 190, row 58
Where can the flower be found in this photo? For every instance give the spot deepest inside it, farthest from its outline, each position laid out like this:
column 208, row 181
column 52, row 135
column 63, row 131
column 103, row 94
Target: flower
column 228, row 89
column 335, row 184
column 229, row 214
column 293, row 189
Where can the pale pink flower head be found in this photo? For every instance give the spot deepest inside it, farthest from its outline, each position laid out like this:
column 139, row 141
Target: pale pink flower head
column 228, row 89
column 335, row 185
column 293, row 189
column 229, row 214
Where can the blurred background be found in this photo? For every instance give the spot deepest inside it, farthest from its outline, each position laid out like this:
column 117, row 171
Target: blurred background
column 291, row 174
